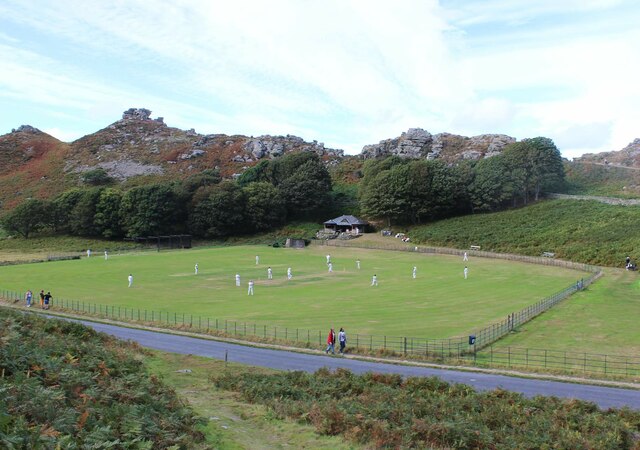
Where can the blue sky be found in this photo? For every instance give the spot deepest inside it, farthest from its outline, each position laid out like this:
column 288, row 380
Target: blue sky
column 346, row 73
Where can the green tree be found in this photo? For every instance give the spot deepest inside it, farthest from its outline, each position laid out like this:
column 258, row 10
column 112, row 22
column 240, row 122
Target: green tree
column 153, row 210
column 108, row 219
column 306, row 191
column 219, row 211
column 265, row 208
column 535, row 165
column 207, row 177
column 28, row 217
column 386, row 195
column 257, row 173
column 433, row 190
column 493, row 186
column 61, row 209
column 81, row 217
column 96, row 177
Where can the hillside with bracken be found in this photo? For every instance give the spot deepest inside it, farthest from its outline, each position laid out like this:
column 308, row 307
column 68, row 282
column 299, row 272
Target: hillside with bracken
column 31, row 165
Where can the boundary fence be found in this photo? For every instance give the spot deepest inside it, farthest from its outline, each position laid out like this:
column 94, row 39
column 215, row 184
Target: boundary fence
column 455, row 252
column 557, row 360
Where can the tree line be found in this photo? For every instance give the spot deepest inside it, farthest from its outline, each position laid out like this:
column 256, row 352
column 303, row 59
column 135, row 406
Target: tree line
column 415, row 191
column 296, row 186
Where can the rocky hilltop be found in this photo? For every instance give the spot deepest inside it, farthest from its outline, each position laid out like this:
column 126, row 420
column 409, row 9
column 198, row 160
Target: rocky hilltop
column 419, row 143
column 628, row 156
column 140, row 145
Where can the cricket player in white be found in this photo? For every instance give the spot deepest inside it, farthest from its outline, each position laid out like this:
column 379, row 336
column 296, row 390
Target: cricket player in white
column 465, row 257
column 330, row 267
column 196, row 268
column 289, row 274
column 374, row 280
column 415, row 269
column 328, row 259
column 250, row 291
column 106, row 255
column 257, row 260
column 358, row 264
column 269, row 274
column 238, row 279
column 88, row 253
column 130, row 278
column 466, row 272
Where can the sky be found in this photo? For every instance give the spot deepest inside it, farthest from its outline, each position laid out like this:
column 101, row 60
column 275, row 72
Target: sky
column 346, row 73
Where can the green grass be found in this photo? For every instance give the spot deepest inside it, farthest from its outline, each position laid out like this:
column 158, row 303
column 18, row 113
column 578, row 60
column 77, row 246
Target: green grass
column 599, row 320
column 39, row 247
column 232, row 422
column 609, row 181
column 581, row 231
column 438, row 304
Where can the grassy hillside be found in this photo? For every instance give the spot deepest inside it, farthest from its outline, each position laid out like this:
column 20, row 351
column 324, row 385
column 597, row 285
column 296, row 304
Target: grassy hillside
column 63, row 385
column 388, row 411
column 598, row 179
column 581, row 231
column 31, row 165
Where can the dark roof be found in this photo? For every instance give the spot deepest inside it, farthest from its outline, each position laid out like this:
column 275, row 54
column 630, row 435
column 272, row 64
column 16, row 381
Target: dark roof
column 346, row 221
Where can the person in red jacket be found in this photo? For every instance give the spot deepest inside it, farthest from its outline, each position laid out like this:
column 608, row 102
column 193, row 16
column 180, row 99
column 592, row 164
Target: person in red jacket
column 331, row 342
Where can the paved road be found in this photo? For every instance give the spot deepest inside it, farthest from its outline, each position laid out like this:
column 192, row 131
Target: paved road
column 605, row 397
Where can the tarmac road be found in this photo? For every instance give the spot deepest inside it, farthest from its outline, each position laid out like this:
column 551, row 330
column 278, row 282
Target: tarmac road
column 605, row 397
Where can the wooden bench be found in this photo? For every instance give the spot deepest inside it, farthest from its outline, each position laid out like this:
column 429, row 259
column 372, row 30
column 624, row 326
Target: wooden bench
column 475, row 247
column 549, row 255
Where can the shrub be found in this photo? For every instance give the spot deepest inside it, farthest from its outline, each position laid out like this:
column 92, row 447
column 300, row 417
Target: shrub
column 66, row 386
column 387, row 411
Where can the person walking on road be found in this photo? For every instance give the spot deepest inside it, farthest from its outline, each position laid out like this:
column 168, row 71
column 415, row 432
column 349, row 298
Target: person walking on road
column 331, row 342
column 342, row 339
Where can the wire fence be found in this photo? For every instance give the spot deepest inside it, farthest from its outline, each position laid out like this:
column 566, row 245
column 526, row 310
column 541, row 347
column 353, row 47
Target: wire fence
column 408, row 247
column 557, row 360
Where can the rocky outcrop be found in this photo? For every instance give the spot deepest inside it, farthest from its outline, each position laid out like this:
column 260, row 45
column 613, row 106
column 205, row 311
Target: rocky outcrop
column 628, row 156
column 415, row 143
column 419, row 143
column 273, row 146
column 25, row 129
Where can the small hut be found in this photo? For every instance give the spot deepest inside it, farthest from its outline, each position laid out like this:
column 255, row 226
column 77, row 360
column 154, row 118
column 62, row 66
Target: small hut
column 348, row 224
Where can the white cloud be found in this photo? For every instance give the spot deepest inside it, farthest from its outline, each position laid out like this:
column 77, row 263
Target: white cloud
column 346, row 73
